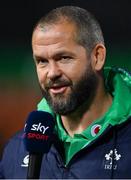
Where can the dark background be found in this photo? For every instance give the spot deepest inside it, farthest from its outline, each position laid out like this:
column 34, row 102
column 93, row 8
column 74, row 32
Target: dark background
column 18, row 17
column 19, row 91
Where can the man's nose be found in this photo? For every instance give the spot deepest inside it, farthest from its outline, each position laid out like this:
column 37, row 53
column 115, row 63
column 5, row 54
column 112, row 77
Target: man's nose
column 54, row 71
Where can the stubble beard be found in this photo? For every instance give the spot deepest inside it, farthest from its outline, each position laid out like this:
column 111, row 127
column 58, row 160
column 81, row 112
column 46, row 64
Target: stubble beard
column 81, row 92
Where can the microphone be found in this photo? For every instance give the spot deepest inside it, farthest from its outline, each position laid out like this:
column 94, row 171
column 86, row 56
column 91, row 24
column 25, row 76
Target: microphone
column 38, row 133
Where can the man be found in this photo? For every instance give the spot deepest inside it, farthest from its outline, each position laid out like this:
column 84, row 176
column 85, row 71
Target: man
column 91, row 103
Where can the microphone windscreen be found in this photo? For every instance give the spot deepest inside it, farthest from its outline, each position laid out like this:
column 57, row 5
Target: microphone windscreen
column 38, row 132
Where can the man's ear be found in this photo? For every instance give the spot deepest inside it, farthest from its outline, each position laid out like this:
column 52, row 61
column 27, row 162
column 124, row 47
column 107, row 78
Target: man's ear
column 98, row 56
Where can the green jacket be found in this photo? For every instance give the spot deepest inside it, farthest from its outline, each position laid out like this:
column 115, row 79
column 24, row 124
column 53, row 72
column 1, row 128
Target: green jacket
column 118, row 83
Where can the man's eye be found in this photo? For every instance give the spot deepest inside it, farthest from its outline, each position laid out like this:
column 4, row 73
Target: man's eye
column 65, row 58
column 41, row 61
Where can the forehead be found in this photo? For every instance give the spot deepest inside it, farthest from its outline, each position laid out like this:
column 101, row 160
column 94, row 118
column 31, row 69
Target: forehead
column 64, row 30
column 54, row 39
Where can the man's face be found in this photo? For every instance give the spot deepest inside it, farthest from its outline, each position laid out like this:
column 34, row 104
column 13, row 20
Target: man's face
column 64, row 70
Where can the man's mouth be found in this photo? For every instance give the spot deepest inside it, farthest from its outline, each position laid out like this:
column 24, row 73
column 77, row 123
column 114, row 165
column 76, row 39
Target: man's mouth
column 58, row 89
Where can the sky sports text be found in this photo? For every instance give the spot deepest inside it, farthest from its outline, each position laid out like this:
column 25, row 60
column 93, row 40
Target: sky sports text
column 36, row 136
column 37, row 127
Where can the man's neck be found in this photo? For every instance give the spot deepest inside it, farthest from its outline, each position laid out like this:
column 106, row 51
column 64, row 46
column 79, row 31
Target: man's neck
column 80, row 120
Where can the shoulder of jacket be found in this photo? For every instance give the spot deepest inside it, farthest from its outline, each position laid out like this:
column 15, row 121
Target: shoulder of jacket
column 13, row 143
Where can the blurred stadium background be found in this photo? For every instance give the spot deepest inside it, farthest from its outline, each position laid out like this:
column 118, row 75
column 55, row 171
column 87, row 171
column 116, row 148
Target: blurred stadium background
column 19, row 91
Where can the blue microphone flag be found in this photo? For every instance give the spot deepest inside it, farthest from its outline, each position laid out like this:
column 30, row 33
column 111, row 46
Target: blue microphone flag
column 38, row 132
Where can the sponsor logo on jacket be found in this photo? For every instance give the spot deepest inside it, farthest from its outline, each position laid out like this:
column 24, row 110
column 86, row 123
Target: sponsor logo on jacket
column 111, row 159
column 25, row 161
